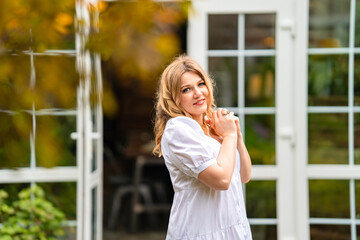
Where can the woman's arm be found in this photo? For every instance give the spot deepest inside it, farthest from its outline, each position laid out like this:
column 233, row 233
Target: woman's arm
column 245, row 161
column 218, row 176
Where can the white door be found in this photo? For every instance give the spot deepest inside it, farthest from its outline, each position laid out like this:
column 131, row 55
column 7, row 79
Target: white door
column 89, row 129
column 290, row 70
column 327, row 84
column 247, row 47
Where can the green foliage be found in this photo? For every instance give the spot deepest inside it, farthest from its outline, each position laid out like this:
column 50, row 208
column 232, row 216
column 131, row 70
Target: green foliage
column 136, row 38
column 30, row 217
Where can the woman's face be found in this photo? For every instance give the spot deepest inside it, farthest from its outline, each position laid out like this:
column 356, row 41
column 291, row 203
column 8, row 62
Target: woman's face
column 194, row 95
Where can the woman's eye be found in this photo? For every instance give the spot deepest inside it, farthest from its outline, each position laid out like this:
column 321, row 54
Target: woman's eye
column 202, row 84
column 185, row 90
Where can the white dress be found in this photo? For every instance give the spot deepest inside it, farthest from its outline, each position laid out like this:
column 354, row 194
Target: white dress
column 199, row 212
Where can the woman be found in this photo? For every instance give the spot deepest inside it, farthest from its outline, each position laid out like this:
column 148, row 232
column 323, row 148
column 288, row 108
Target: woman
column 205, row 154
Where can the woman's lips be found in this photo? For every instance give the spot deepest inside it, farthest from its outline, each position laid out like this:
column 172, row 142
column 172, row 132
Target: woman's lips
column 200, row 102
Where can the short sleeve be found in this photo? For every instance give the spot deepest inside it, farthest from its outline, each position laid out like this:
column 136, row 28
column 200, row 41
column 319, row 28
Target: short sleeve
column 185, row 145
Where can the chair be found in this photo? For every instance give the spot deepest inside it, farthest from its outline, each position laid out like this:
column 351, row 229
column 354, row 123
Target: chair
column 139, row 189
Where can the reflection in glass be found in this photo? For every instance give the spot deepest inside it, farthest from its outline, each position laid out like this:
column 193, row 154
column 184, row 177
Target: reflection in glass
column 223, row 31
column 260, row 138
column 328, row 139
column 330, row 232
column 357, row 29
column 357, row 79
column 93, row 213
column 13, row 189
column 94, row 158
column 328, row 80
column 15, row 82
column 329, row 23
column 357, row 199
column 15, row 133
column 260, row 31
column 63, row 196
column 59, row 26
column 357, row 138
column 56, row 82
column 261, row 199
column 224, row 71
column 325, row 194
column 260, row 81
column 264, row 232
column 53, row 146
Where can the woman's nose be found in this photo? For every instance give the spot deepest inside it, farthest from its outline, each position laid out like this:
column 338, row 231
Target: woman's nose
column 197, row 92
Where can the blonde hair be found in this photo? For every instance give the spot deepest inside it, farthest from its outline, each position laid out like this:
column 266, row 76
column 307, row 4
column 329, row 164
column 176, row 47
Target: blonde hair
column 168, row 96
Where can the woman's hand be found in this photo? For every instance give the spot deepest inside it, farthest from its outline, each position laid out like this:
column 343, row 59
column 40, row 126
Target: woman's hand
column 238, row 128
column 225, row 123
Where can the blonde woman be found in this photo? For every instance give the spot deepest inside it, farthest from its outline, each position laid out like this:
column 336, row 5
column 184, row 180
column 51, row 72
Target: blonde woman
column 205, row 154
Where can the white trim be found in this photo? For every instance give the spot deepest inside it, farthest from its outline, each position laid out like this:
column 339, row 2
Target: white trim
column 263, row 221
column 300, row 118
column 265, row 172
column 328, row 51
column 353, row 209
column 334, row 221
column 328, row 109
column 323, row 171
column 241, row 52
column 39, row 174
column 80, row 163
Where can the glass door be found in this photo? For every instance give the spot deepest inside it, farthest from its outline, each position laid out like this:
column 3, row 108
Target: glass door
column 90, row 133
column 247, row 48
column 328, row 103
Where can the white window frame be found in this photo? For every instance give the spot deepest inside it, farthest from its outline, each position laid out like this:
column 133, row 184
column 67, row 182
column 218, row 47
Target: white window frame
column 87, row 129
column 307, row 171
column 292, row 171
column 282, row 172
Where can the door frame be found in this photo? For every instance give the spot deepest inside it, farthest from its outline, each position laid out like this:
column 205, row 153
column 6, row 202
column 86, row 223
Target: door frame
column 283, row 172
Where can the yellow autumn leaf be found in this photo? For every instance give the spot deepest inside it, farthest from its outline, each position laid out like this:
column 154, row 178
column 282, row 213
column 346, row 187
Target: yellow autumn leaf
column 62, row 21
column 102, row 6
column 13, row 24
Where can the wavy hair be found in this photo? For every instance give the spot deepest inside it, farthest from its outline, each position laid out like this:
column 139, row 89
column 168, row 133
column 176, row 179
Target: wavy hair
column 168, row 97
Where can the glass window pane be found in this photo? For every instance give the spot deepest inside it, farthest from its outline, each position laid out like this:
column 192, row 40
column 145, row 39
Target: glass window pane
column 54, row 147
column 261, row 199
column 260, row 31
column 330, row 232
column 328, row 80
column 63, row 196
column 329, row 23
column 224, row 71
column 94, row 155
column 357, row 26
column 223, row 31
column 15, row 133
column 13, row 190
column 56, row 82
column 357, row 138
column 93, row 213
column 264, row 232
column 260, row 81
column 57, row 21
column 15, row 82
column 357, row 199
column 260, row 138
column 357, row 79
column 325, row 194
column 328, row 139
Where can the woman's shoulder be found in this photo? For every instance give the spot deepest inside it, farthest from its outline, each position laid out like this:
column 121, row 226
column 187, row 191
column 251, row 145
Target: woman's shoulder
column 182, row 124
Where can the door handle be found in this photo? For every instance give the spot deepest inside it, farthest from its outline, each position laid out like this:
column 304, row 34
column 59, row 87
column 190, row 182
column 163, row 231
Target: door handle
column 287, row 133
